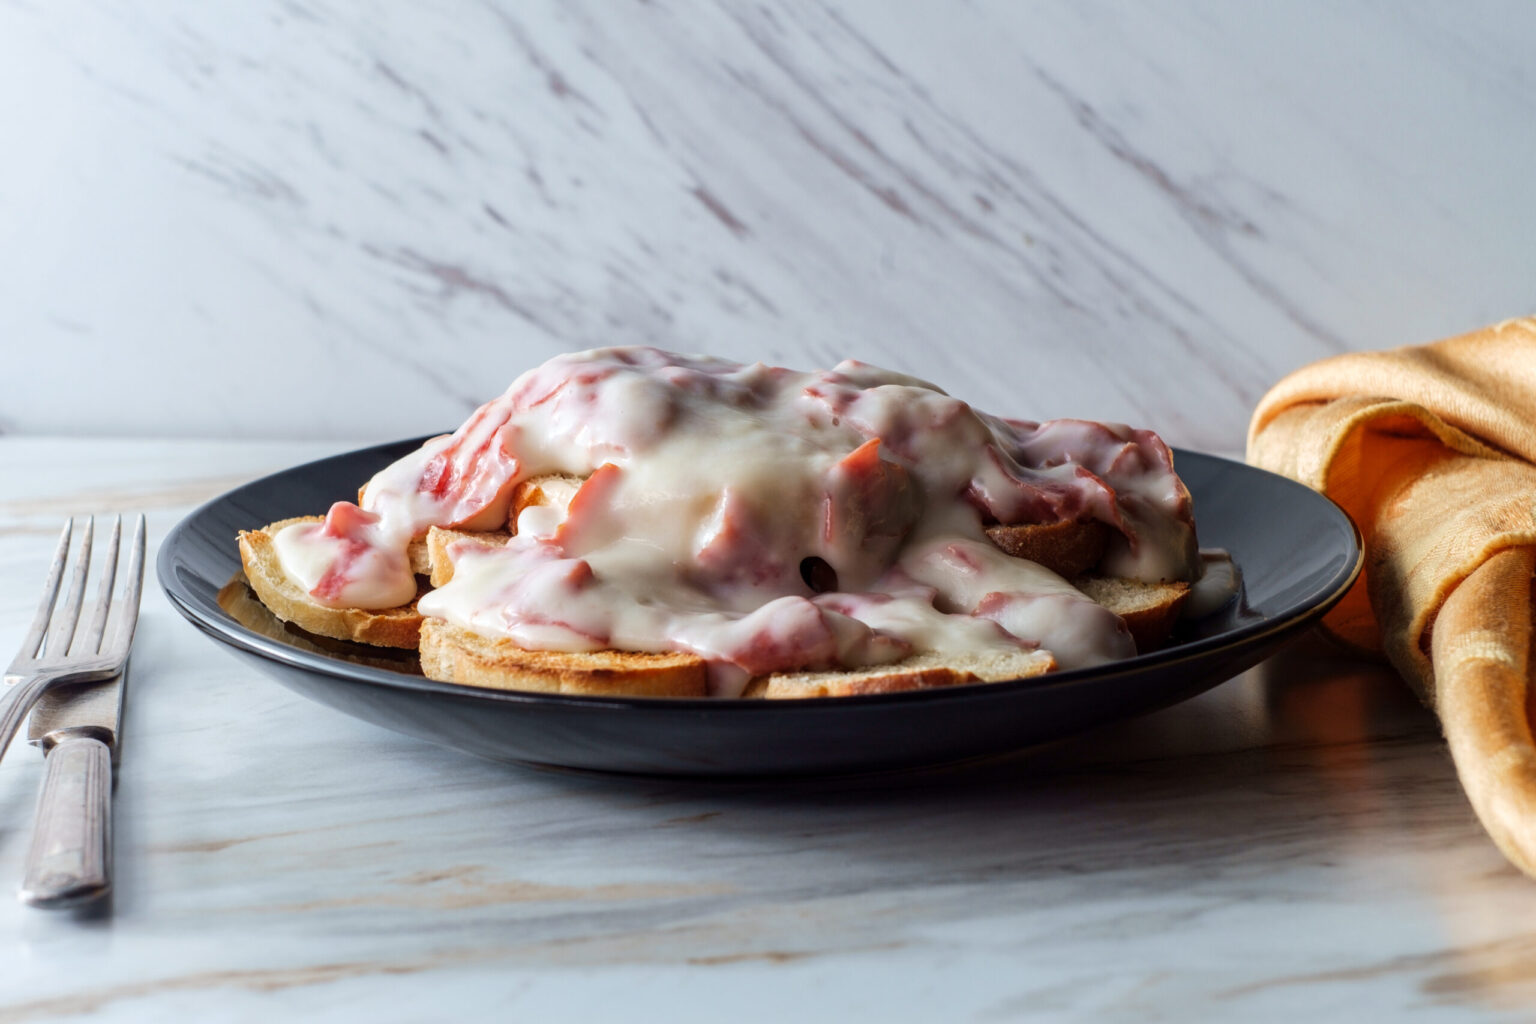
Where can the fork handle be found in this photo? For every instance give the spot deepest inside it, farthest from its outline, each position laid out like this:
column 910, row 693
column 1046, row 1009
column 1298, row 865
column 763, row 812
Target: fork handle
column 70, row 861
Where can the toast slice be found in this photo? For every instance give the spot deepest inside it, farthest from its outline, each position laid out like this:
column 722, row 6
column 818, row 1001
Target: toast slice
column 1068, row 548
column 417, row 553
column 240, row 603
column 927, row 670
column 389, row 627
column 1150, row 610
column 452, row 654
column 439, row 566
column 555, row 490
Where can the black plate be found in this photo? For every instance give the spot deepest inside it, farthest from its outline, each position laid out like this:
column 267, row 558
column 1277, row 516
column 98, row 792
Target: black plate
column 1298, row 552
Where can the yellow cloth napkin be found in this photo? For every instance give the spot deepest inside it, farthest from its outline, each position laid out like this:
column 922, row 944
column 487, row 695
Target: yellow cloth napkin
column 1432, row 451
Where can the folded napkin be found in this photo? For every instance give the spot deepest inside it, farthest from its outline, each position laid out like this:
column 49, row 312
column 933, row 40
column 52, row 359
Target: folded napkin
column 1432, row 451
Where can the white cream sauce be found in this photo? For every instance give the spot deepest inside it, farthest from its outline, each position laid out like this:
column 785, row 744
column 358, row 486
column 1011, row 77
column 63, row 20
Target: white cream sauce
column 709, row 483
column 1220, row 580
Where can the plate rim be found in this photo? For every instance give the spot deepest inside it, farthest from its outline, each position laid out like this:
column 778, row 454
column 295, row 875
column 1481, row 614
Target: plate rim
column 228, row 631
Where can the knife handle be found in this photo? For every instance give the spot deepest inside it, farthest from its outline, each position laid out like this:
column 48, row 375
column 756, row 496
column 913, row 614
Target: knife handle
column 70, row 861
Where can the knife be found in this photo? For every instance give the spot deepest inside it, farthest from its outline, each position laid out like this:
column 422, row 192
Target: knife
column 70, row 860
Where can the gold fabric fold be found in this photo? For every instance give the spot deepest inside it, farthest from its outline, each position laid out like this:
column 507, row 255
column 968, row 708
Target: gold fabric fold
column 1432, row 451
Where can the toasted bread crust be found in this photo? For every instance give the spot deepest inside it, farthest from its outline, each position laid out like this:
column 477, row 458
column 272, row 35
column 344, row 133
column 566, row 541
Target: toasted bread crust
column 421, row 564
column 1068, row 548
column 439, row 565
column 553, row 489
column 923, row 671
column 455, row 655
column 1150, row 610
column 390, row 627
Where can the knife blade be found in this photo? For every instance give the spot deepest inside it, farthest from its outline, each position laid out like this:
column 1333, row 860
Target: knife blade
column 93, row 710
column 70, row 860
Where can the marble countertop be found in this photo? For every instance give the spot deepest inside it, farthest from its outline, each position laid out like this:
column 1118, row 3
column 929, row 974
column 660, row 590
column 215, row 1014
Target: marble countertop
column 1291, row 844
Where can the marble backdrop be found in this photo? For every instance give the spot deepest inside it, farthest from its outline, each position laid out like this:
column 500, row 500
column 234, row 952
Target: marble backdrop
column 357, row 220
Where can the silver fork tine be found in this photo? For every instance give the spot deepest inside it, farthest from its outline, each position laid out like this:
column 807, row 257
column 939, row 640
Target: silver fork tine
column 122, row 637
column 34, row 641
column 41, row 666
column 62, row 632
column 92, row 639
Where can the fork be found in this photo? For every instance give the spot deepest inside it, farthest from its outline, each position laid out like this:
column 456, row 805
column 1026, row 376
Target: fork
column 52, row 653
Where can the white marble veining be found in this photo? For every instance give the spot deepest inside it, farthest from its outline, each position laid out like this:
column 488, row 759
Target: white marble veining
column 355, row 221
column 308, row 218
column 1292, row 845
